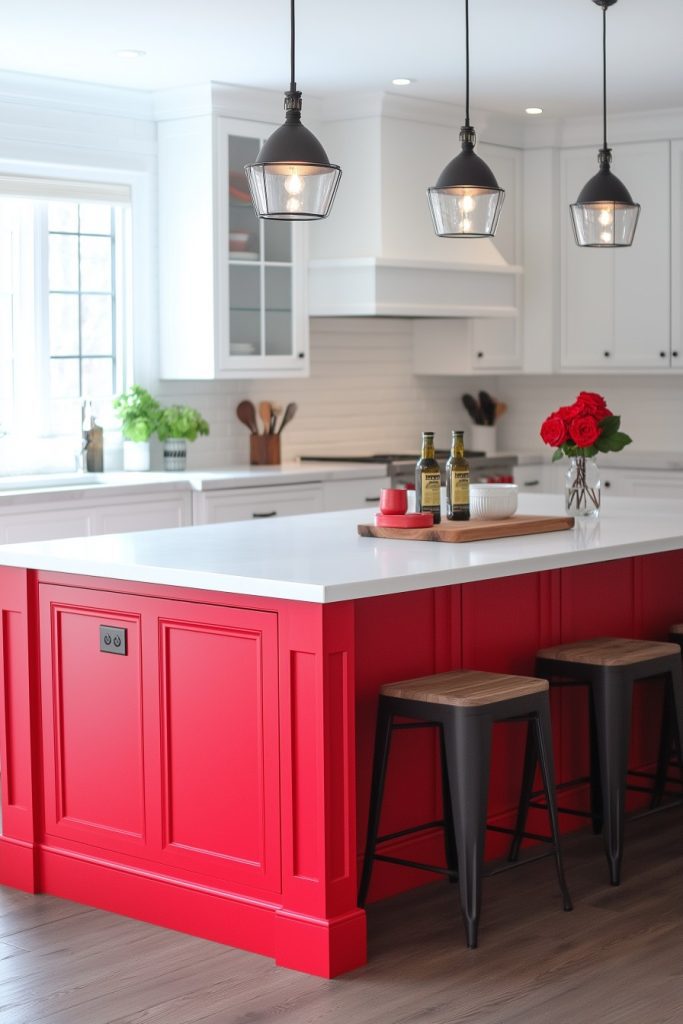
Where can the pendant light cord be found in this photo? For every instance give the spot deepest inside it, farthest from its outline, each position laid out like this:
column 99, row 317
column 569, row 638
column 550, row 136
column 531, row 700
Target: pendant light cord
column 292, row 77
column 467, row 63
column 604, row 76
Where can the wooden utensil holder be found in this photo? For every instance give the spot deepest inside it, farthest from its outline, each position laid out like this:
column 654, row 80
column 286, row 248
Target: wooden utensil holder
column 264, row 450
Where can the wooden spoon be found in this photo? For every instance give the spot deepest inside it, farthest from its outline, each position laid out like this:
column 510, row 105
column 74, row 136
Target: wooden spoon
column 290, row 413
column 264, row 411
column 246, row 413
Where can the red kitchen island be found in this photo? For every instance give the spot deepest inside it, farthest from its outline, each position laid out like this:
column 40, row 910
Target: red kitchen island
column 187, row 715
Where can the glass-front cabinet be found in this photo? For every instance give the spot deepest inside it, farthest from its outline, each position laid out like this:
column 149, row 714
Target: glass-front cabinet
column 250, row 319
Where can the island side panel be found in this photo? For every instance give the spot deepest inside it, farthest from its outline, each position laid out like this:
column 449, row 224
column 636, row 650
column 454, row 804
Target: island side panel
column 319, row 928
column 19, row 731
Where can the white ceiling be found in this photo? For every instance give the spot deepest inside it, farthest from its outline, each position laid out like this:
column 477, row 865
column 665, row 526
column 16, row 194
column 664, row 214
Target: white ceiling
column 524, row 52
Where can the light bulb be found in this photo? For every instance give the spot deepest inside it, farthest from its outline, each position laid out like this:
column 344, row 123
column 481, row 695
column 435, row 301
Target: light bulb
column 294, row 184
column 466, row 224
column 467, row 204
column 293, row 204
column 605, row 217
column 606, row 236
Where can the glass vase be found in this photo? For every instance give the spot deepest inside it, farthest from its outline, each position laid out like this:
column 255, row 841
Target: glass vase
column 582, row 487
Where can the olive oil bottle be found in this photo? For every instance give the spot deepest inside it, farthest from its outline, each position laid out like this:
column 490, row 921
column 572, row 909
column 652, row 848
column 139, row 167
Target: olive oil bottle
column 428, row 479
column 458, row 480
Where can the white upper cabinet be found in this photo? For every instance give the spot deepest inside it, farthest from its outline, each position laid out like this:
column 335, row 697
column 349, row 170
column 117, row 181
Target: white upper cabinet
column 677, row 254
column 615, row 307
column 232, row 287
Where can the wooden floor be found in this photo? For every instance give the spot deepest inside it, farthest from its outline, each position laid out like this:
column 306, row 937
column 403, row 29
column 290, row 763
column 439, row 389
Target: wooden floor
column 617, row 958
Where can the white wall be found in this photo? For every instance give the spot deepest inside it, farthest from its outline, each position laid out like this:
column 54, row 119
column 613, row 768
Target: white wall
column 651, row 407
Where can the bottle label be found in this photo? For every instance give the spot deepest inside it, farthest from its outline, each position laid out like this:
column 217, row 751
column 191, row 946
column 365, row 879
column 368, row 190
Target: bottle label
column 431, row 489
column 460, row 488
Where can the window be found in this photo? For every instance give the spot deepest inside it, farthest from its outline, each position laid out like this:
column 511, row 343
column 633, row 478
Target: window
column 64, row 309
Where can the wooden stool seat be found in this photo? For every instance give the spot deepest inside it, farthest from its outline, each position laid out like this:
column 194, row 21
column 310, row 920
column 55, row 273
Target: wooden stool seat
column 608, row 652
column 465, row 689
column 677, row 630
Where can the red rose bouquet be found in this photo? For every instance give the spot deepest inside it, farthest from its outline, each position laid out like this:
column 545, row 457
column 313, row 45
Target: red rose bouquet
column 584, row 428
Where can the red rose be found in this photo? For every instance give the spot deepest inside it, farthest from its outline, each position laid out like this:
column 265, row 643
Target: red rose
column 554, row 430
column 584, row 431
column 593, row 404
column 570, row 412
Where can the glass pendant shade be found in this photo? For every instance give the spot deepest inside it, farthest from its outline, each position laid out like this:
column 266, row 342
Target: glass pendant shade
column 466, row 200
column 604, row 215
column 292, row 178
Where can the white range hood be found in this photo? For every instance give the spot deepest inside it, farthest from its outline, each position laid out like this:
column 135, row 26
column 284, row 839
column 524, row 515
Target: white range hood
column 377, row 254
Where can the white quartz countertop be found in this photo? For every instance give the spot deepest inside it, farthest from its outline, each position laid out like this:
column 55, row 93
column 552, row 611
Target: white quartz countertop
column 43, row 487
column 320, row 558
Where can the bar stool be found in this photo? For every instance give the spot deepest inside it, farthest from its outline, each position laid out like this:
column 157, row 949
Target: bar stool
column 464, row 706
column 609, row 666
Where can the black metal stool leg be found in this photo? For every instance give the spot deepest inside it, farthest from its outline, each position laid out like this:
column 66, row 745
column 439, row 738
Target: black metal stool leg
column 379, row 771
column 528, row 776
column 545, row 756
column 613, row 699
column 468, row 747
column 596, row 788
column 676, row 676
column 666, row 743
column 450, row 844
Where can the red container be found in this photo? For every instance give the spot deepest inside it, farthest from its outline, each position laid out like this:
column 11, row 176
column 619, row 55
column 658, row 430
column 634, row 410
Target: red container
column 393, row 501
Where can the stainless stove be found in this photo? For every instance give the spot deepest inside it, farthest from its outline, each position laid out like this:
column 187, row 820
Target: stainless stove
column 401, row 468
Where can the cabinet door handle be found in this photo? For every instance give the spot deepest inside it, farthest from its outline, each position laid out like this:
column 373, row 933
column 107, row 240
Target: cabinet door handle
column 607, row 483
column 531, row 483
column 372, row 500
column 662, row 355
column 675, row 355
column 480, row 355
column 606, row 355
column 263, row 515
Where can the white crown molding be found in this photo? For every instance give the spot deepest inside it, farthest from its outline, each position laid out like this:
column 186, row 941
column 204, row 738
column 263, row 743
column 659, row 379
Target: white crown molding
column 76, row 97
column 641, row 126
column 501, row 129
column 226, row 100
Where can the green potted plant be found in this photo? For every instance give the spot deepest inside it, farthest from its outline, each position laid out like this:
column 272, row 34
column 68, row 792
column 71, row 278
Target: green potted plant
column 139, row 414
column 179, row 424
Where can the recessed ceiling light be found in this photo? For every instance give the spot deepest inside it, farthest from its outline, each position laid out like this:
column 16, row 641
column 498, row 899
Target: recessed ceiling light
column 533, row 110
column 401, row 81
column 130, row 54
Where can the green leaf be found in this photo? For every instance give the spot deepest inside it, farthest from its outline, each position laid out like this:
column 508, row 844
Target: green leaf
column 610, row 425
column 620, row 441
column 557, row 455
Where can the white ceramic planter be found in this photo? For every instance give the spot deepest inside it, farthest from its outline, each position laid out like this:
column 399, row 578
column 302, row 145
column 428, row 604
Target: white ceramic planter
column 483, row 438
column 136, row 456
column 175, row 454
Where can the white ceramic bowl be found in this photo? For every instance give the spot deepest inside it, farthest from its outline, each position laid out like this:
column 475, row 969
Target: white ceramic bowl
column 493, row 501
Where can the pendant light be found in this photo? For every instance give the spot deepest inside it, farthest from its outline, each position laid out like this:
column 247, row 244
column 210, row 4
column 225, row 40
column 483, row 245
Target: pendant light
column 292, row 178
column 466, row 200
column 604, row 216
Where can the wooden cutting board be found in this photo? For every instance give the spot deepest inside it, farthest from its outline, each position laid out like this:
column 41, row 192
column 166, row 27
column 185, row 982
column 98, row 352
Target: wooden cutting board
column 474, row 529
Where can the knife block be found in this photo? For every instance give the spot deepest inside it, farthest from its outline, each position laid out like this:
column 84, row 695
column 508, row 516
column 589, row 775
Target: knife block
column 264, row 450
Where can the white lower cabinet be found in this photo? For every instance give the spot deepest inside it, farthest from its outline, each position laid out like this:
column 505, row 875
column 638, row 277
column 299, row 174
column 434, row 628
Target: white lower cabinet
column 152, row 513
column 342, row 494
column 621, row 483
column 70, row 516
column 233, row 504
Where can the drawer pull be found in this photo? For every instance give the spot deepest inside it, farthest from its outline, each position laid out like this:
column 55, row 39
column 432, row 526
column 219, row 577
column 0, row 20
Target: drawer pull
column 373, row 500
column 531, row 483
column 263, row 515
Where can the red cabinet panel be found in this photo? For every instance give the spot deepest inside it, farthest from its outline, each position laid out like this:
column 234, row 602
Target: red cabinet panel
column 218, row 713
column 169, row 753
column 92, row 708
